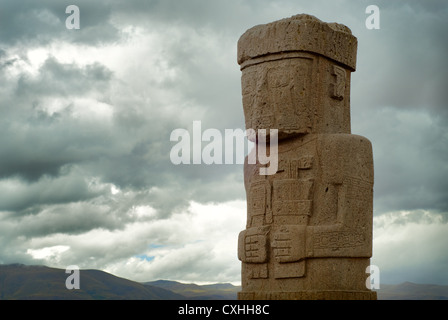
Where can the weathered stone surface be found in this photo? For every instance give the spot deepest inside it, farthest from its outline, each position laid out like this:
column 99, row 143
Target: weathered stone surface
column 299, row 33
column 309, row 226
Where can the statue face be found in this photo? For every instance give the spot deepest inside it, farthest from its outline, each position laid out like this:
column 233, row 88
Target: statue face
column 276, row 95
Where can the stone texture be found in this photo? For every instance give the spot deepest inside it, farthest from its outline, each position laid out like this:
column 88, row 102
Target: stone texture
column 300, row 33
column 309, row 226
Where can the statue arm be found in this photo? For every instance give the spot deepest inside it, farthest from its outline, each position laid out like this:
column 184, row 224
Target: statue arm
column 348, row 166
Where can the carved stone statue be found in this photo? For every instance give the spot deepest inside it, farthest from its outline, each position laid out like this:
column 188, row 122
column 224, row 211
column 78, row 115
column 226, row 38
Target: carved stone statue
column 309, row 225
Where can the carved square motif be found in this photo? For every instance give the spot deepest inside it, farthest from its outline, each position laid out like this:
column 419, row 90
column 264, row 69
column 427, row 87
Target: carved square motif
column 292, row 189
column 305, row 162
column 292, row 208
column 253, row 245
column 338, row 87
column 257, row 201
column 289, row 244
column 258, row 271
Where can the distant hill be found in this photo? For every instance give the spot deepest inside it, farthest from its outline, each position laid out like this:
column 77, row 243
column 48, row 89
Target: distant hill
column 403, row 291
column 20, row 282
column 412, row 291
column 220, row 291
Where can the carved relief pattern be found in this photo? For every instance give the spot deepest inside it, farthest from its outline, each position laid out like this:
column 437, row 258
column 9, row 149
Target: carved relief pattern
column 339, row 84
column 306, row 222
column 335, row 240
column 276, row 97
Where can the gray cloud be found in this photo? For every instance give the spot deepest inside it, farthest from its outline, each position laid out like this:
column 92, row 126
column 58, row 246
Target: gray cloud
column 35, row 24
column 36, row 140
column 405, row 60
column 17, row 195
column 410, row 245
column 398, row 103
column 76, row 81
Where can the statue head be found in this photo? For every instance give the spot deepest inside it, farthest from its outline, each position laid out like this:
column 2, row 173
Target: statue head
column 296, row 76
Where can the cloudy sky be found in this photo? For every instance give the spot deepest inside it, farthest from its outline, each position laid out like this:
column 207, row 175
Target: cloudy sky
column 86, row 117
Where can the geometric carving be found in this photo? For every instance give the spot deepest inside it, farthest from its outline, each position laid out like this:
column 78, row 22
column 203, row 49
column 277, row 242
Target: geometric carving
column 253, row 245
column 289, row 249
column 287, row 85
column 255, row 249
column 257, row 204
column 292, row 189
column 339, row 239
column 289, row 243
column 283, row 87
column 305, row 162
column 358, row 189
column 339, row 85
column 259, row 271
column 292, row 207
column 290, row 168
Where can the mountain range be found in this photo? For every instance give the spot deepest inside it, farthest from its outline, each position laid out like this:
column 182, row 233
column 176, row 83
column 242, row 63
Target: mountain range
column 22, row 282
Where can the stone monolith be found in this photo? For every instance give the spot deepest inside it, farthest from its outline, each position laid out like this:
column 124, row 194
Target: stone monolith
column 309, row 225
